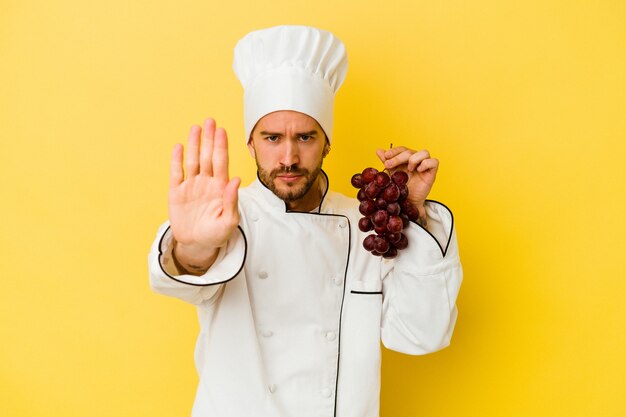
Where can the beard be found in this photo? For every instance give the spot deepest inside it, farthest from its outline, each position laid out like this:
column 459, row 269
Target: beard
column 294, row 191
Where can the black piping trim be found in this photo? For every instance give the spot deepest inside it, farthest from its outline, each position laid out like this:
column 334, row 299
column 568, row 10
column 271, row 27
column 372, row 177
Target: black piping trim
column 443, row 251
column 366, row 292
column 319, row 209
column 343, row 296
column 245, row 254
column 345, row 273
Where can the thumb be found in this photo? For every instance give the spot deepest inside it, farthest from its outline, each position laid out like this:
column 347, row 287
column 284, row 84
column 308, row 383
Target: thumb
column 231, row 196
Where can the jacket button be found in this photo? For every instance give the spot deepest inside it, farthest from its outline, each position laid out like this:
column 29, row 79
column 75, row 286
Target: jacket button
column 342, row 224
column 330, row 336
column 254, row 217
column 338, row 281
column 262, row 274
column 272, row 388
column 267, row 333
column 326, row 392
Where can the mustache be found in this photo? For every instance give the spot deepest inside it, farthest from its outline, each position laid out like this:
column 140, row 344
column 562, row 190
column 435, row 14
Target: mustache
column 293, row 169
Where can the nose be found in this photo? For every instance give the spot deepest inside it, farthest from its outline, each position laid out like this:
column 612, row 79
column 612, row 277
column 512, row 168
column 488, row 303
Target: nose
column 290, row 154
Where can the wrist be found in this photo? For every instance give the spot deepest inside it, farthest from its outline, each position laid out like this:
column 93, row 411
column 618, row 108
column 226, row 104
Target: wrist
column 193, row 259
column 422, row 217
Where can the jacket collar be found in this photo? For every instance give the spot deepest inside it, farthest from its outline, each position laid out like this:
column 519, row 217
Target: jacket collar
column 279, row 204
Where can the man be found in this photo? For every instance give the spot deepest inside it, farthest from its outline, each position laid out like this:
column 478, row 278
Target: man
column 292, row 308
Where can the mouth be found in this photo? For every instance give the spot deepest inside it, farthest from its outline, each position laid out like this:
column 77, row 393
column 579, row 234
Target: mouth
column 289, row 178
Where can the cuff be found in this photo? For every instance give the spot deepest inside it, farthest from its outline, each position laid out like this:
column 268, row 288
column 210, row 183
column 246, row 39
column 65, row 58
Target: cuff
column 430, row 250
column 439, row 224
column 229, row 262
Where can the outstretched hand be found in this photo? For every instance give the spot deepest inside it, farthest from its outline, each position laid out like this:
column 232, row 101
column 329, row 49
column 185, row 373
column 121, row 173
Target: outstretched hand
column 202, row 200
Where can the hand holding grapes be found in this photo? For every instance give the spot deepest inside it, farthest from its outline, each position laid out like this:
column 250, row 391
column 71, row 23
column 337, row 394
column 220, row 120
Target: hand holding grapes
column 421, row 168
column 202, row 204
column 389, row 201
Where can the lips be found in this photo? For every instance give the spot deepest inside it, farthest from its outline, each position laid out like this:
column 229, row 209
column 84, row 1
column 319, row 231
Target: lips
column 289, row 177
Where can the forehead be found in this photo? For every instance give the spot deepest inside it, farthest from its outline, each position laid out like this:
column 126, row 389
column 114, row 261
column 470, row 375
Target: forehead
column 283, row 120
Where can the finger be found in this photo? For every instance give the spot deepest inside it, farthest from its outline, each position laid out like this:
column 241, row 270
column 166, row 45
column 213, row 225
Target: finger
column 381, row 155
column 399, row 159
column 231, row 197
column 176, row 166
column 220, row 155
column 417, row 158
column 193, row 143
column 428, row 164
column 390, row 153
column 206, row 149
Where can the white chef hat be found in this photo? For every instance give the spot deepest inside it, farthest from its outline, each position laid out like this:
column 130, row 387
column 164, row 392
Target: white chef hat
column 296, row 68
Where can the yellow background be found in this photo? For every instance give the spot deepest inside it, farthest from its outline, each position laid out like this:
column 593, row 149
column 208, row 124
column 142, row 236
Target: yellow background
column 523, row 103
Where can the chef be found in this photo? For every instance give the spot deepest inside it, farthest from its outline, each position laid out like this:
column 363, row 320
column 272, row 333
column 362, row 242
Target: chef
column 292, row 308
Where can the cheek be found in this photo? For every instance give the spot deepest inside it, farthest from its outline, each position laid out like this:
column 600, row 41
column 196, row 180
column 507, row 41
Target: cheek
column 265, row 160
column 312, row 153
column 318, row 157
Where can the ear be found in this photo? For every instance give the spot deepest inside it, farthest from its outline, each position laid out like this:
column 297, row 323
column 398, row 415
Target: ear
column 326, row 150
column 251, row 147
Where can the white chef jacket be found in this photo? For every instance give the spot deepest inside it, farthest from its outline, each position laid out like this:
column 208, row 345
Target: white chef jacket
column 294, row 308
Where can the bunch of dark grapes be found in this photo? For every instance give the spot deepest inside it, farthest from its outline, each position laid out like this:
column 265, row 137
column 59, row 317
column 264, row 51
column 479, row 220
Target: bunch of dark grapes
column 386, row 210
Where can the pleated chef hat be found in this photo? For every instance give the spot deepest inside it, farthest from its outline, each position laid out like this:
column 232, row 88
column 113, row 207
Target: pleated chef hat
column 296, row 68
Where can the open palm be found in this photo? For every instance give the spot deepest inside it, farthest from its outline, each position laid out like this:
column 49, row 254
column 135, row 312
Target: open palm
column 202, row 201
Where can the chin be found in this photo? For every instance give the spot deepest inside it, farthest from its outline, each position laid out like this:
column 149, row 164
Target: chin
column 288, row 193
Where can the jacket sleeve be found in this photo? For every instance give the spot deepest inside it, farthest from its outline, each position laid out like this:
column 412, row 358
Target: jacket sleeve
column 166, row 279
column 421, row 285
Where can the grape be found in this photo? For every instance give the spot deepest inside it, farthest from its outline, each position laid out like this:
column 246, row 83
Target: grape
column 405, row 221
column 372, row 190
column 402, row 243
column 391, row 253
column 392, row 208
column 393, row 237
column 411, row 212
column 381, row 230
column 367, row 207
column 380, row 218
column 405, row 205
column 404, row 192
column 368, row 242
column 365, row 224
column 382, row 179
column 361, row 195
column 399, row 177
column 391, row 193
column 357, row 181
column 394, row 224
column 386, row 209
column 368, row 175
column 380, row 244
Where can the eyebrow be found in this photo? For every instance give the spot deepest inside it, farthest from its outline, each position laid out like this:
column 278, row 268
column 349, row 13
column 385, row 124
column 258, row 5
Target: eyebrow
column 309, row 133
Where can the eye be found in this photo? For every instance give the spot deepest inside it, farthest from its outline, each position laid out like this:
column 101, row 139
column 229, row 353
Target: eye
column 306, row 138
column 271, row 138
